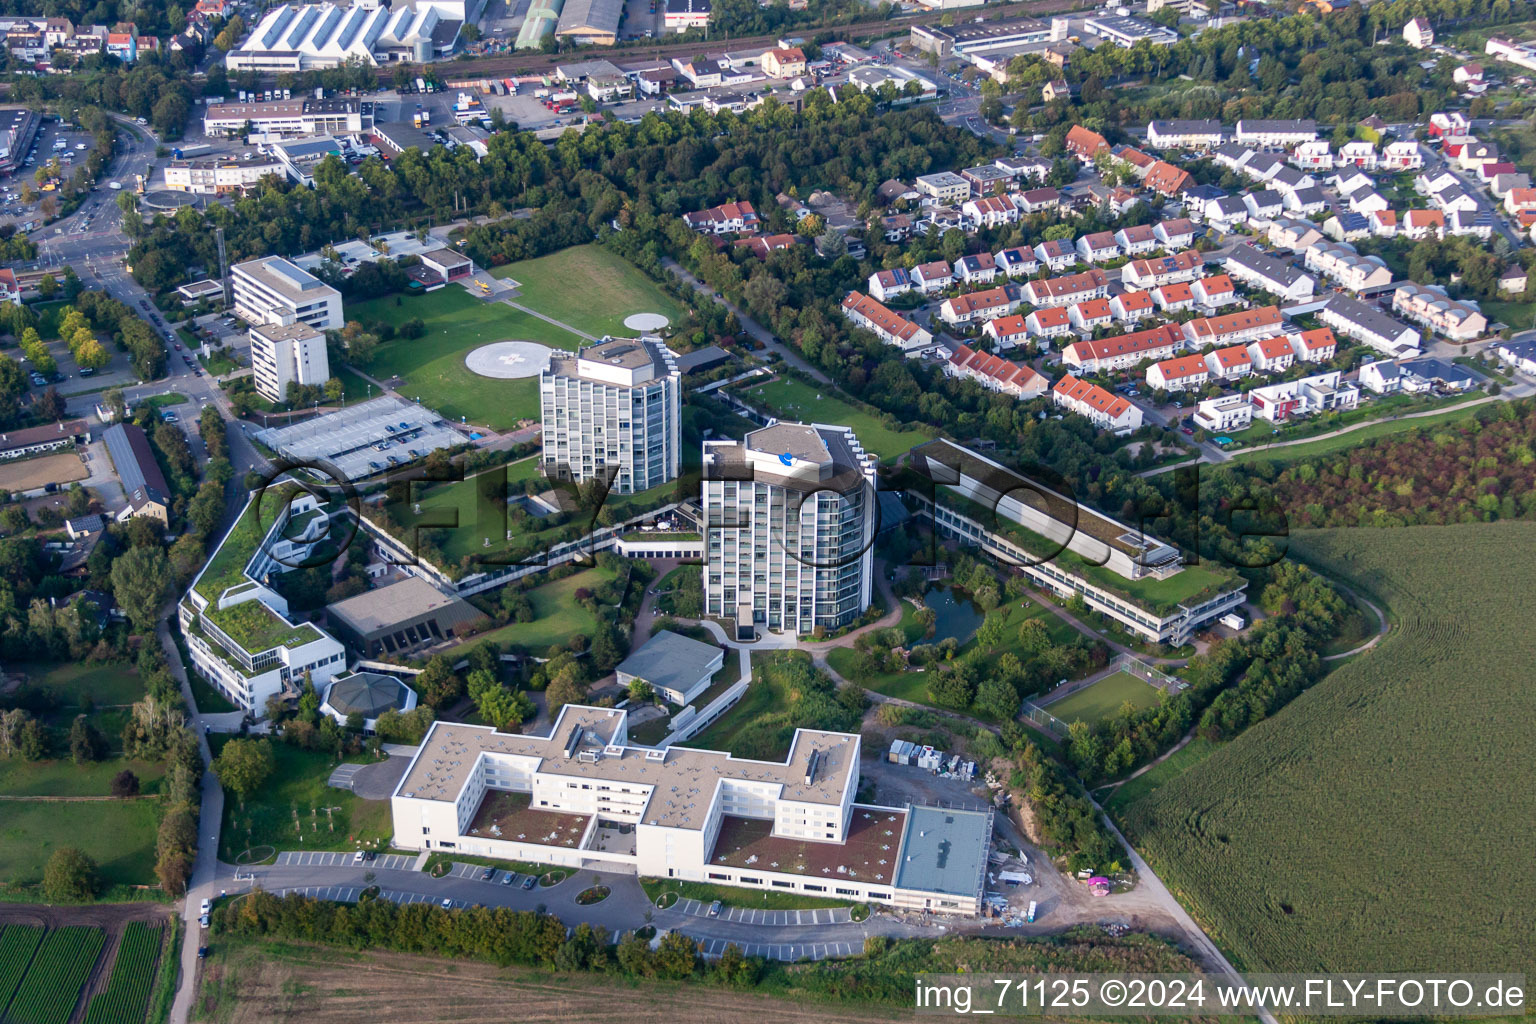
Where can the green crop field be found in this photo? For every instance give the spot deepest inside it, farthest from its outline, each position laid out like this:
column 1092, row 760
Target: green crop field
column 791, row 400
column 588, row 288
column 296, row 802
column 59, row 970
column 17, row 944
column 433, row 365
column 1093, row 704
column 1383, row 817
column 127, row 994
column 119, row 835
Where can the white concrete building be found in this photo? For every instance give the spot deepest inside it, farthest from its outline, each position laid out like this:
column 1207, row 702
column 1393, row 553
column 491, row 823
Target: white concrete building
column 613, row 410
column 1224, row 414
column 789, row 517
column 271, row 290
column 218, row 177
column 1305, row 396
column 1275, row 134
column 1260, row 270
column 1178, row 134
column 1344, row 264
column 1365, row 324
column 1431, row 306
column 284, row 354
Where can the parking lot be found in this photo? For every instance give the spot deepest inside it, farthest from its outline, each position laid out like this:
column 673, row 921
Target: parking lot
column 318, row 859
column 779, row 918
column 53, row 140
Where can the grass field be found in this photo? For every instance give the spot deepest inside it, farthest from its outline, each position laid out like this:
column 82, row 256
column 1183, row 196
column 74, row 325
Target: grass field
column 120, row 836
column 28, row 474
column 589, row 288
column 1191, row 754
column 1093, row 704
column 65, row 778
column 791, row 400
column 433, row 365
column 296, row 801
column 1291, row 453
column 558, row 615
column 76, row 683
column 1382, row 817
column 735, row 896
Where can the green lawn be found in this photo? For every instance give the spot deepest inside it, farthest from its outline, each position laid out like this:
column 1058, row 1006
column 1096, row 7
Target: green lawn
column 65, row 778
column 74, row 683
column 558, row 615
column 354, row 388
column 589, row 288
column 756, row 702
column 1292, row 453
column 218, row 365
column 118, row 835
column 433, row 365
column 791, row 400
column 1102, row 700
column 735, row 896
column 295, row 801
column 1191, row 754
column 460, row 496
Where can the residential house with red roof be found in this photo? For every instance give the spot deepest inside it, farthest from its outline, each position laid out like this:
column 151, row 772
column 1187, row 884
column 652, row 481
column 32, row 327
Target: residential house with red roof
column 1272, row 355
column 1123, row 351
column 975, row 306
column 1315, row 346
column 1243, row 326
column 1174, row 298
column 1022, row 382
column 1131, row 306
column 1008, row 331
column 1081, row 142
column 978, row 269
column 886, row 284
column 1214, row 292
column 1067, row 289
column 1098, row 247
column 1091, row 315
column 932, row 277
column 887, row 326
column 1138, row 240
column 1167, row 180
column 990, row 211
column 1053, row 322
column 726, row 219
column 1107, row 411
column 1178, row 374
column 1160, row 270
column 1229, row 363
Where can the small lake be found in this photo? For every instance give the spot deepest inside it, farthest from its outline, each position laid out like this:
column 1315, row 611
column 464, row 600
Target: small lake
column 953, row 617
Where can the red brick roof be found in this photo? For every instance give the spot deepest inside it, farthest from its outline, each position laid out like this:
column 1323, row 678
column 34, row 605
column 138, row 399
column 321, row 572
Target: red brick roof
column 1009, row 326
column 1275, row 348
column 1052, row 316
column 1000, row 370
column 1167, row 179
column 1245, row 319
column 1068, row 284
column 1084, row 142
column 1320, row 338
column 1183, row 366
column 1070, row 387
column 1126, row 344
column 1233, row 356
column 887, row 321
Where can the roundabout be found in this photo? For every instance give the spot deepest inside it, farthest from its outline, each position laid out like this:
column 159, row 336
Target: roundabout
column 508, row 360
column 646, row 322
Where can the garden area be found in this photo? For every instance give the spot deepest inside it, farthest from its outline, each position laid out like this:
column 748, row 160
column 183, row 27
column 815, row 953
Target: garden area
column 589, row 288
column 119, row 835
column 792, row 399
column 557, row 616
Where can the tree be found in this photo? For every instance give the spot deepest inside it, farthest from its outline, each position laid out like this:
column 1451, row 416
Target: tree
column 125, row 784
column 243, row 765
column 677, row 956
column 141, row 577
column 86, row 743
column 641, row 692
column 70, row 876
column 48, row 287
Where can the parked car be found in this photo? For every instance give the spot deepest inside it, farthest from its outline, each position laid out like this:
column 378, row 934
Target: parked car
column 529, row 882
column 203, row 921
column 447, row 903
column 357, row 858
column 205, row 908
column 714, row 909
column 487, row 874
column 508, row 878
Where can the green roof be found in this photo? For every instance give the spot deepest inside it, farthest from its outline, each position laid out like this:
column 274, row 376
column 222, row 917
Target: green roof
column 258, row 628
column 1194, row 584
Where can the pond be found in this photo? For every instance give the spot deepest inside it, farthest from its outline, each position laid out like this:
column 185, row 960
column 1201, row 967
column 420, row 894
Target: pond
column 953, row 617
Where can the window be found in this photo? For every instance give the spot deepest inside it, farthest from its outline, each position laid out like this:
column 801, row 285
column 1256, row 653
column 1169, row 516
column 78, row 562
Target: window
column 425, row 830
column 846, row 892
column 783, row 885
column 716, row 876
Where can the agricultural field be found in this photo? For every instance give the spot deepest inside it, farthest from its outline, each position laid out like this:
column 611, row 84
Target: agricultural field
column 1093, row 704
column 118, row 834
column 17, row 944
column 58, row 971
column 433, row 365
column 792, row 400
column 1382, row 817
column 588, row 288
column 133, row 974
column 296, row 810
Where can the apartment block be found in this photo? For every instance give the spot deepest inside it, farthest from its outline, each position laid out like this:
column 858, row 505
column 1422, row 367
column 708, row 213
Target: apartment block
column 284, row 354
column 271, row 290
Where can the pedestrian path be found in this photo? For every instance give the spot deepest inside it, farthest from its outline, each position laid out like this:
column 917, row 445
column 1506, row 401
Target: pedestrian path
column 327, row 859
column 775, row 918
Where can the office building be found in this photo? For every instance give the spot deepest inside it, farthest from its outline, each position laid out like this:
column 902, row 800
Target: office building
column 271, row 290
column 790, row 518
column 613, row 409
column 284, row 354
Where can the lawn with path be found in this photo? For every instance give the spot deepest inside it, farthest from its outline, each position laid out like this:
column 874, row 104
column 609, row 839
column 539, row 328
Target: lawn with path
column 590, row 289
column 791, row 399
column 433, row 365
column 1294, row 452
column 557, row 616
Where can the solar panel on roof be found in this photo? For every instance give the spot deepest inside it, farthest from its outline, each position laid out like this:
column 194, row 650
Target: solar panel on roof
column 327, row 27
column 275, row 32
column 301, row 29
column 350, row 29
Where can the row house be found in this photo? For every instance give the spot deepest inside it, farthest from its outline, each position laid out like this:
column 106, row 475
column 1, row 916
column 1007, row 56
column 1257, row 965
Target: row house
column 1227, row 213
column 1431, row 306
column 1056, row 254
column 1068, row 289
column 1288, row 181
column 1223, row 415
column 1098, row 247
column 885, row 285
column 1324, row 392
column 996, row 374
column 1348, row 180
column 1007, row 331
column 1198, row 197
column 1232, row 328
column 990, row 212
column 1294, row 235
column 1174, row 298
column 1137, row 241
column 976, row 306
column 1258, row 269
column 978, row 269
column 889, row 327
column 1478, row 223
column 1358, row 154
column 1105, row 410
column 1272, row 355
column 1369, row 326
column 1264, row 205
column 728, row 218
column 1518, row 200
column 1214, row 292
column 1091, row 315
column 1365, row 199
column 1420, row 224
column 1178, row 233
column 1185, row 134
column 1401, row 156
column 1341, row 261
column 1315, row 346
column 1052, row 322
column 1161, row 270
column 1123, row 351
column 1347, row 227
column 1261, row 167
column 1276, row 134
column 929, row 278
column 1180, row 374
column 1019, row 261
column 1229, row 363
column 1130, row 307
column 1313, row 156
